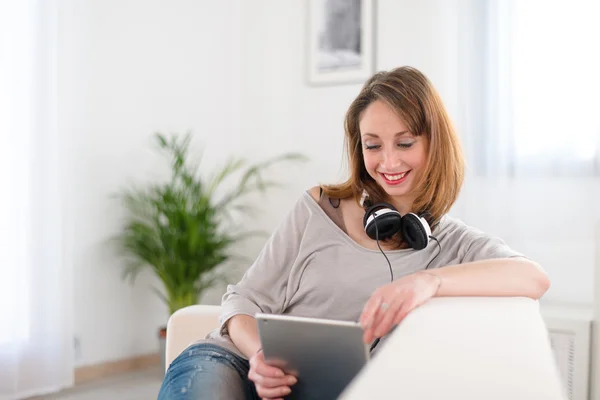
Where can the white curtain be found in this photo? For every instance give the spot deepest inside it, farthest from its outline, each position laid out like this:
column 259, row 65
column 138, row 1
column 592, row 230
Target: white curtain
column 36, row 336
column 530, row 74
column 528, row 114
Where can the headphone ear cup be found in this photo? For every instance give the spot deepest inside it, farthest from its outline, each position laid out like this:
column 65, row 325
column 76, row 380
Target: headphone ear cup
column 382, row 221
column 415, row 231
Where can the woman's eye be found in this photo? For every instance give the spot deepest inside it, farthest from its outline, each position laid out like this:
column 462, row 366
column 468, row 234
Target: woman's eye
column 372, row 146
column 405, row 145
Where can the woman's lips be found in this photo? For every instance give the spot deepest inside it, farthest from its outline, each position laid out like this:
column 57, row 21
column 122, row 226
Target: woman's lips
column 395, row 179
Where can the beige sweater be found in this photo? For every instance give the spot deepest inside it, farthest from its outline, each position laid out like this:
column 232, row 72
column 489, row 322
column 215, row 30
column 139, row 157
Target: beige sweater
column 311, row 267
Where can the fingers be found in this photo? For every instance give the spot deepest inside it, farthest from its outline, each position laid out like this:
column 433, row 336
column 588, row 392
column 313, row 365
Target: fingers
column 271, row 382
column 258, row 365
column 267, row 382
column 272, row 393
column 369, row 310
column 386, row 318
column 404, row 310
column 268, row 371
column 379, row 321
column 287, row 380
column 369, row 315
column 371, row 323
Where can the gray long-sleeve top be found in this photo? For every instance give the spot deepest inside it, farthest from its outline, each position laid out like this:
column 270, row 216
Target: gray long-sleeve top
column 311, row 267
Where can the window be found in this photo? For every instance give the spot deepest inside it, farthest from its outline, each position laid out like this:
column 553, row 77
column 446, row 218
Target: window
column 530, row 80
column 555, row 82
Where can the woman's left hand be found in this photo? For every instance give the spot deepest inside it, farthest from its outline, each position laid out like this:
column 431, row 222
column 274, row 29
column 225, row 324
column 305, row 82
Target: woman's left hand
column 389, row 304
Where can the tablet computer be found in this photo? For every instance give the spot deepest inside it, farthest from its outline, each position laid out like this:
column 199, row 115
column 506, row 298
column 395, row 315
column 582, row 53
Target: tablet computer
column 325, row 355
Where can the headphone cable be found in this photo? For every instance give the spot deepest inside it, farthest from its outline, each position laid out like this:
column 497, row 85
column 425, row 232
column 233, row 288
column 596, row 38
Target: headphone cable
column 379, row 246
column 377, row 340
column 438, row 253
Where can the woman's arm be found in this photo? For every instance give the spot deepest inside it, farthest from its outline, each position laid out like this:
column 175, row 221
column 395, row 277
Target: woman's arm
column 244, row 334
column 495, row 277
column 270, row 381
column 269, row 272
column 264, row 286
column 487, row 266
column 388, row 305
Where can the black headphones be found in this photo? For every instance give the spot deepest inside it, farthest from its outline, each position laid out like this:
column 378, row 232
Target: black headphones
column 382, row 221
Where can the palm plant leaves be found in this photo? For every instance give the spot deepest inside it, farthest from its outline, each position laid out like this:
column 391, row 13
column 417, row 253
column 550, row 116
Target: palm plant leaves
column 176, row 228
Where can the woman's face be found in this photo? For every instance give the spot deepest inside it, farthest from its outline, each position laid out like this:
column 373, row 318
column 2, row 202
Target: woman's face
column 393, row 156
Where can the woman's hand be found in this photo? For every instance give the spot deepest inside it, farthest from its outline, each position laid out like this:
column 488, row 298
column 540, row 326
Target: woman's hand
column 271, row 382
column 389, row 304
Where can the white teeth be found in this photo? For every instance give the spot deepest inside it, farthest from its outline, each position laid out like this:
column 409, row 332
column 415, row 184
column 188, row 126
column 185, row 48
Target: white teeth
column 394, row 177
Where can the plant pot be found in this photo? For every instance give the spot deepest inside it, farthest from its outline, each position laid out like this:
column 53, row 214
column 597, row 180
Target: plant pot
column 162, row 346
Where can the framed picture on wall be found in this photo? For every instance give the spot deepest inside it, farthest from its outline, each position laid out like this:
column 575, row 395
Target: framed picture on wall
column 340, row 35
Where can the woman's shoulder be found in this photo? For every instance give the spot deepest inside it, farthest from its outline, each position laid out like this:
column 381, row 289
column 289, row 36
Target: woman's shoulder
column 315, row 192
column 472, row 243
column 331, row 208
column 450, row 226
column 302, row 210
column 321, row 196
column 448, row 221
column 455, row 228
column 320, row 192
column 308, row 200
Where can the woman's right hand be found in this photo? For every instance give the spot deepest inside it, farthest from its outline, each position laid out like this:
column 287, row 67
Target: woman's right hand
column 271, row 382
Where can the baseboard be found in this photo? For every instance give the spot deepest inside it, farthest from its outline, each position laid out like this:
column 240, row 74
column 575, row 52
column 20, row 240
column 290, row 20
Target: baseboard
column 90, row 373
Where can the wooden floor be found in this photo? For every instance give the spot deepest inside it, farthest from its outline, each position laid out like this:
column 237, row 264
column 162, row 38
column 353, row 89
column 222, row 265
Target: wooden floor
column 139, row 385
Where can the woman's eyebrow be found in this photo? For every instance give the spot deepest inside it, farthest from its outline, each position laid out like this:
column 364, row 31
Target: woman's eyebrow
column 376, row 136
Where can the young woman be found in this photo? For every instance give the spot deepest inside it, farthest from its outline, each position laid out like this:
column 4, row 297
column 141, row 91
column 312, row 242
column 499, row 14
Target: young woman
column 325, row 259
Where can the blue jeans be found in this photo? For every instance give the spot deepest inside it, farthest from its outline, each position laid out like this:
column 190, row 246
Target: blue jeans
column 207, row 371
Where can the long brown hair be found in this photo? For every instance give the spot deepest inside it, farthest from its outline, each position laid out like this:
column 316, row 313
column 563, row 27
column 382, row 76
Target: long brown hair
column 419, row 105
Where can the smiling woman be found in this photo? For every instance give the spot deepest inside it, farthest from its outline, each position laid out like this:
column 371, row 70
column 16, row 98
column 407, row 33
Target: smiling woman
column 323, row 261
column 402, row 147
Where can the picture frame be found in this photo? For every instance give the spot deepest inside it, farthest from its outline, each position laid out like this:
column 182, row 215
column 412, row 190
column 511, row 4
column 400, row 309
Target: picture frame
column 340, row 41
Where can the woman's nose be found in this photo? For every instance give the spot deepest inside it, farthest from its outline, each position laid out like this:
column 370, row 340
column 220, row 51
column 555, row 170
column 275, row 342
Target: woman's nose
column 391, row 162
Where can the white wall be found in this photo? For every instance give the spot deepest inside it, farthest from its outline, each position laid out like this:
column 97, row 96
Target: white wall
column 551, row 220
column 128, row 69
column 233, row 73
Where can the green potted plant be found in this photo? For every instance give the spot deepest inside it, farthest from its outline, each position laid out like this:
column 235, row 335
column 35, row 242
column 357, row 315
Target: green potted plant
column 182, row 229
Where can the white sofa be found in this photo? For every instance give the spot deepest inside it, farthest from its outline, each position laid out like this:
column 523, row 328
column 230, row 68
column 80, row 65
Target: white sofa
column 450, row 348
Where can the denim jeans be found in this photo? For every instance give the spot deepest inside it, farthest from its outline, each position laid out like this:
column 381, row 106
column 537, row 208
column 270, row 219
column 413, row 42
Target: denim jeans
column 207, row 371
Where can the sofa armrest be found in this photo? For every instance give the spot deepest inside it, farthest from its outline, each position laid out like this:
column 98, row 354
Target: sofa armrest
column 464, row 348
column 187, row 325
